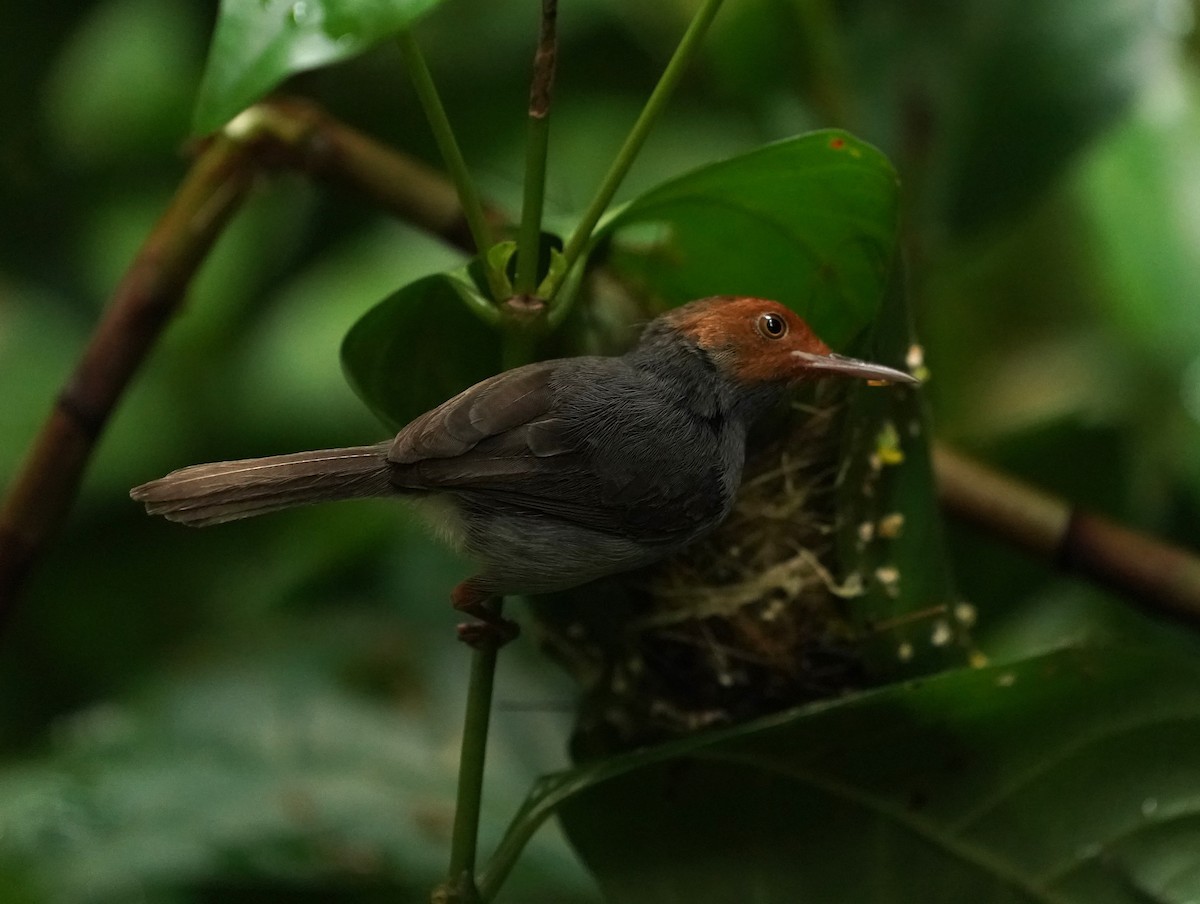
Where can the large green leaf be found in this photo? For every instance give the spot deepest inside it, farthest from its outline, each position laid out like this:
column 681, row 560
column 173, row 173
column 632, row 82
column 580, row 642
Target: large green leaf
column 810, row 221
column 259, row 43
column 891, row 545
column 1071, row 777
column 419, row 347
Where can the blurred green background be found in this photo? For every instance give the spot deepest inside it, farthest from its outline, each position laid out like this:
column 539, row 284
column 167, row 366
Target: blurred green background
column 165, row 689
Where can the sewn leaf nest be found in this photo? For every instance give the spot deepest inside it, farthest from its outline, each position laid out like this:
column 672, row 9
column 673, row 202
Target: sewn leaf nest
column 748, row 620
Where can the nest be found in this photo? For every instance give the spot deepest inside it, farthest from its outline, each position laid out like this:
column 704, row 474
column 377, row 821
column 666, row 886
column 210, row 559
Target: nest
column 749, row 620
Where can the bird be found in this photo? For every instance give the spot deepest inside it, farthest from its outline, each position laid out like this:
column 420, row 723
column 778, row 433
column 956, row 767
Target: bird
column 556, row 473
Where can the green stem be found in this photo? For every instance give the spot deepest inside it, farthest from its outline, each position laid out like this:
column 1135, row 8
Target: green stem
column 460, row 883
column 468, row 194
column 529, row 237
column 684, row 53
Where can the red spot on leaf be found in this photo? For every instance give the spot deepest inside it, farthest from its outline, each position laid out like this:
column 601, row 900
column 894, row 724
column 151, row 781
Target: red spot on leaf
column 837, row 143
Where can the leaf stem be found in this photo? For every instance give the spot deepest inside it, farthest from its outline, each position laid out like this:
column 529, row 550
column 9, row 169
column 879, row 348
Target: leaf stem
column 689, row 44
column 468, row 194
column 529, row 237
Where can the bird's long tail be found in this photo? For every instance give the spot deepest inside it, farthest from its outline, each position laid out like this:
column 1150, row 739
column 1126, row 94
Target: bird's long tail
column 229, row 490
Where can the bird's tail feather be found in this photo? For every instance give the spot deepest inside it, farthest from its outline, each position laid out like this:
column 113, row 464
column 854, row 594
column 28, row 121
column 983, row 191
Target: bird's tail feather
column 229, row 490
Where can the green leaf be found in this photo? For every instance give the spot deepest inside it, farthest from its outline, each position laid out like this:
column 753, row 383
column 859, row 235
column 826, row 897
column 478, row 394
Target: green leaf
column 498, row 258
column 891, row 544
column 810, row 221
column 260, row 43
column 1070, row 777
column 419, row 347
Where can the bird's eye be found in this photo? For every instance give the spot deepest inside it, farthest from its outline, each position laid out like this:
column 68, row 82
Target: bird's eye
column 772, row 326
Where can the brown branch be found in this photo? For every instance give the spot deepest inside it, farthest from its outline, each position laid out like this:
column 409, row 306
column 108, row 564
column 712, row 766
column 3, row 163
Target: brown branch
column 283, row 133
column 1163, row 579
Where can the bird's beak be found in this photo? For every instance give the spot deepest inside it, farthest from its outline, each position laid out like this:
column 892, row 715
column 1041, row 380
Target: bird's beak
column 820, row 365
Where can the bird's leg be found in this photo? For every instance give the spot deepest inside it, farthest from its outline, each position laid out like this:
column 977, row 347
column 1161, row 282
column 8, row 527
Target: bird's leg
column 490, row 628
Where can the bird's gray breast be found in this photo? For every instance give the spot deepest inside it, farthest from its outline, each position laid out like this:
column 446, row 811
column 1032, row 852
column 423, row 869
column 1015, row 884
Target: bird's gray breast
column 658, row 470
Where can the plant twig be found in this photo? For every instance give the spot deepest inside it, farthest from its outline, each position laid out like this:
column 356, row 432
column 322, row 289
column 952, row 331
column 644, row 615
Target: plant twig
column 1163, row 579
column 689, row 44
column 540, row 92
column 456, row 165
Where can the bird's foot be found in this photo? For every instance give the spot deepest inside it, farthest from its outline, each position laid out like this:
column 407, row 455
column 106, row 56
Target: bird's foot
column 482, row 634
column 490, row 629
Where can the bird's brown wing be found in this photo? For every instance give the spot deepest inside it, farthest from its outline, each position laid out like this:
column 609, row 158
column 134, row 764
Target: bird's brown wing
column 556, row 447
column 514, row 404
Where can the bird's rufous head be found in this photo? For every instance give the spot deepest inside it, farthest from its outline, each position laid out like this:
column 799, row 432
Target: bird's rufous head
column 754, row 341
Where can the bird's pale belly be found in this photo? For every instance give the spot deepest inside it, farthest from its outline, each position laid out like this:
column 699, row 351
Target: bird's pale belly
column 529, row 552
